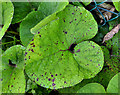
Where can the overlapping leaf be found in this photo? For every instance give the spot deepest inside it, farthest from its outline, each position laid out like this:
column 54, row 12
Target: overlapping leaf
column 7, row 15
column 92, row 88
column 13, row 79
column 113, row 84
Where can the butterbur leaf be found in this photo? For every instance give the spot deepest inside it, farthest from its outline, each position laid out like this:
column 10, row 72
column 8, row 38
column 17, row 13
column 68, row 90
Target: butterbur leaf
column 113, row 84
column 13, row 79
column 110, row 34
column 92, row 88
column 55, row 50
column 7, row 15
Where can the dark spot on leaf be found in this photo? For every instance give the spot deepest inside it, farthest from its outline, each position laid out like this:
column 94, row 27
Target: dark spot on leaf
column 53, row 80
column 32, row 44
column 45, row 73
column 46, row 77
column 98, row 64
column 74, row 38
column 72, row 13
column 75, row 19
column 65, row 32
column 37, row 79
column 62, row 54
column 32, row 74
column 4, row 69
column 29, row 57
column 62, row 42
column 32, row 50
column 53, row 84
column 55, row 74
column 8, row 85
column 70, row 22
column 42, row 75
column 64, row 81
column 75, row 54
column 93, row 46
column 90, row 28
column 80, row 13
column 51, row 75
column 90, row 60
column 49, row 79
column 78, row 50
column 32, row 39
column 39, row 35
column 25, row 59
column 11, row 85
column 71, row 48
column 60, row 74
column 11, row 64
column 25, row 53
column 38, row 32
column 1, row 79
column 64, row 19
column 14, row 78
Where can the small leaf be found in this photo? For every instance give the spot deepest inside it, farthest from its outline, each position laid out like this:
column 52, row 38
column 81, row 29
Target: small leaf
column 92, row 88
column 13, row 79
column 113, row 84
column 110, row 34
column 7, row 15
column 117, row 5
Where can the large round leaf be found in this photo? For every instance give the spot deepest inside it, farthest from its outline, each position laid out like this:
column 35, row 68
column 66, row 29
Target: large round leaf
column 13, row 79
column 51, row 54
column 113, row 84
column 92, row 88
column 7, row 15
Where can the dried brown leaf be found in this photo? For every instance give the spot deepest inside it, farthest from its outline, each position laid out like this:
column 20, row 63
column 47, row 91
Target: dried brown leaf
column 106, row 14
column 110, row 34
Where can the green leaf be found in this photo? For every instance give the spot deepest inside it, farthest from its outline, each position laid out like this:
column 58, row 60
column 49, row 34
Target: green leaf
column 79, row 4
column 113, row 84
column 13, row 79
column 49, row 9
column 29, row 21
column 52, row 55
column 116, row 4
column 21, row 9
column 7, row 15
column 92, row 88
